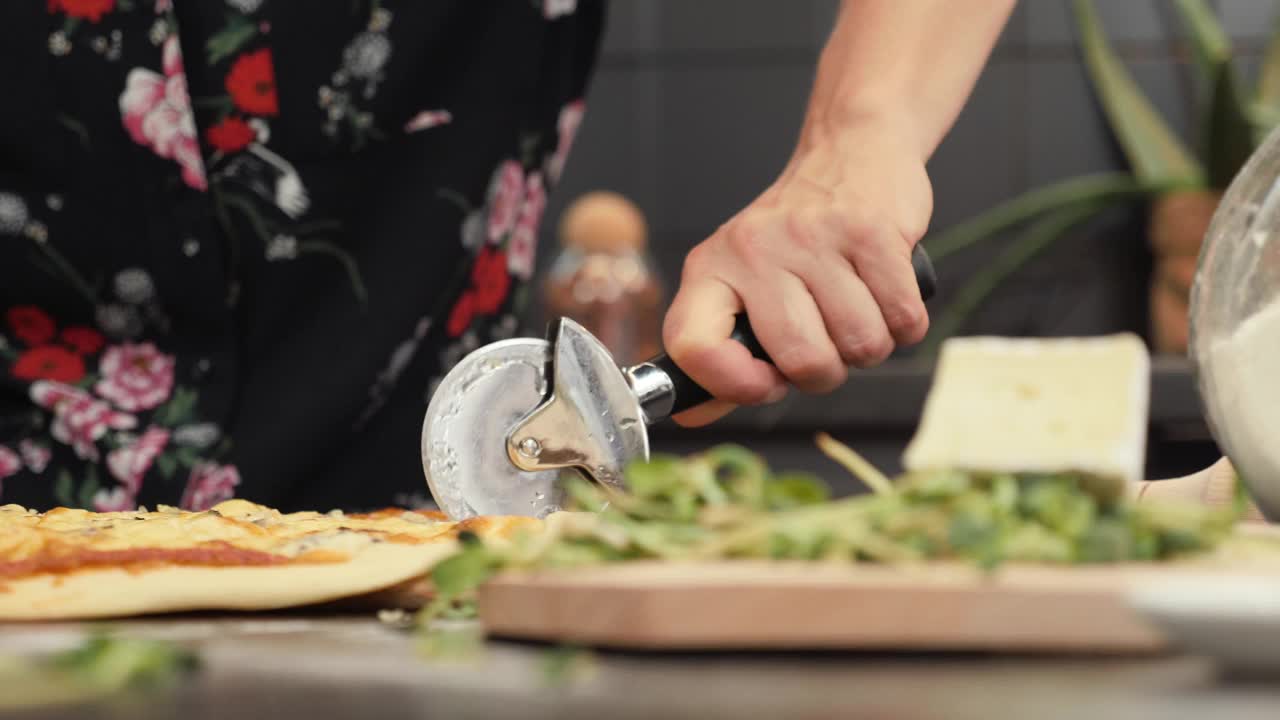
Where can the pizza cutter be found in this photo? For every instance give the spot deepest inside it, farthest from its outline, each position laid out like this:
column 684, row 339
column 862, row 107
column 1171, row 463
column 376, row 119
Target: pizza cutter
column 511, row 416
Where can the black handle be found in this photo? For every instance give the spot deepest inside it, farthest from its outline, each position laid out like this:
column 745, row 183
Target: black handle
column 689, row 394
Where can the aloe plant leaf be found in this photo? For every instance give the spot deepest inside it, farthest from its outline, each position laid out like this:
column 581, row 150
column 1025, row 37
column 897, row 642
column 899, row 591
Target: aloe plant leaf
column 1267, row 94
column 1210, row 44
column 1154, row 152
column 1024, row 207
column 1038, row 238
column 1227, row 126
column 1229, row 129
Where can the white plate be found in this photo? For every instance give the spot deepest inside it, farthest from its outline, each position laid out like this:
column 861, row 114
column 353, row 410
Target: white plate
column 1235, row 621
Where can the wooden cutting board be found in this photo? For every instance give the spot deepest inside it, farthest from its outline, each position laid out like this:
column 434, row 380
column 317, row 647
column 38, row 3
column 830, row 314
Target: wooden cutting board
column 762, row 605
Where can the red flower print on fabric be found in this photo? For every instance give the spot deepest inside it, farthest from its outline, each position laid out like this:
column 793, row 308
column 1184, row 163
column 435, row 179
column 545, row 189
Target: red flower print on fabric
column 91, row 10
column 83, row 340
column 490, row 280
column 156, row 110
column 10, row 462
column 130, row 463
column 49, row 362
column 79, row 419
column 567, row 128
column 31, row 325
column 230, row 135
column 523, row 247
column 461, row 315
column 135, row 377
column 505, row 192
column 252, row 83
column 209, row 485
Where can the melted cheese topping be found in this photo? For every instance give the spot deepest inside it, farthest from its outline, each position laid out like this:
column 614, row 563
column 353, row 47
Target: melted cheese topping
column 30, row 540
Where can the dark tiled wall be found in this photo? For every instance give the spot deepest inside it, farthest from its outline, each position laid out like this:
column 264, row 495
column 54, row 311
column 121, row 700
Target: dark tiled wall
column 697, row 103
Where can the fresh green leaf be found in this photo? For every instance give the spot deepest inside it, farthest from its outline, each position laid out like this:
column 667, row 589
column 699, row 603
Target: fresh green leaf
column 452, row 641
column 790, row 490
column 1155, row 153
column 115, row 663
column 562, row 664
column 464, row 571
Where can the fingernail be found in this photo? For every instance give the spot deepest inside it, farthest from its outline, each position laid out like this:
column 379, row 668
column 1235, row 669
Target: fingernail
column 776, row 394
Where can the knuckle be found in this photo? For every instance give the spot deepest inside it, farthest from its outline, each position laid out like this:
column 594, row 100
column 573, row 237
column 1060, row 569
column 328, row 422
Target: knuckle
column 749, row 392
column 862, row 349
column 908, row 321
column 810, row 368
column 698, row 261
column 806, row 232
column 746, row 239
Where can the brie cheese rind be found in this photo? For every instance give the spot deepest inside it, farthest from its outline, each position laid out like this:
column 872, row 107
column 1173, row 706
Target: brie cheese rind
column 76, row 564
column 1030, row 405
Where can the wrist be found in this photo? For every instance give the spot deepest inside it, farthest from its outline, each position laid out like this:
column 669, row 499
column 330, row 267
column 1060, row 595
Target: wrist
column 872, row 117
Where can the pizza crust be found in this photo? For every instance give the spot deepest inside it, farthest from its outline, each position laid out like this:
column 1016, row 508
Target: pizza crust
column 116, row 592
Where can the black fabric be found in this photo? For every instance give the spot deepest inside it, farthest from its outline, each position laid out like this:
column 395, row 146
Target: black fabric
column 249, row 287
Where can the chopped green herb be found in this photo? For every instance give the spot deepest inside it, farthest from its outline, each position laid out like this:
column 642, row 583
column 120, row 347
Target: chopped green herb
column 726, row 503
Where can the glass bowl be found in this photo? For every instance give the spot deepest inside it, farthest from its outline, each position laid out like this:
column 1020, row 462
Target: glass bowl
column 1235, row 325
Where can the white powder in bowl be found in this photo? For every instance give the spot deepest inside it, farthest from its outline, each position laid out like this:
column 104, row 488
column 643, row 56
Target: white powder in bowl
column 1243, row 377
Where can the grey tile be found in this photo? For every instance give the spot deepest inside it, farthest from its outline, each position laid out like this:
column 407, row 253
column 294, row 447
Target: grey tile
column 1248, row 19
column 1066, row 130
column 824, row 18
column 1014, row 34
column 615, row 148
column 1052, row 23
column 979, row 163
column 630, row 28
column 735, row 24
column 724, row 134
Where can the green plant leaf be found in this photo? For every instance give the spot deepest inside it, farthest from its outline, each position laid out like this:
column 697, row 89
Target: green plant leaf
column 1266, row 108
column 1228, row 121
column 1154, row 152
column 1210, row 44
column 1230, row 134
column 1039, row 201
column 1037, row 239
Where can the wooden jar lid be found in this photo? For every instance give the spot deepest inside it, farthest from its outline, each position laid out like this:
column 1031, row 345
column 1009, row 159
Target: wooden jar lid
column 603, row 222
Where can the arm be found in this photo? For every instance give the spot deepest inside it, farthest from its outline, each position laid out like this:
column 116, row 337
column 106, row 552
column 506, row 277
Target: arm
column 821, row 260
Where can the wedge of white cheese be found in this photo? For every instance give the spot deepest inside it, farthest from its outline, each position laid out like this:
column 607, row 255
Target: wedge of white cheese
column 1024, row 405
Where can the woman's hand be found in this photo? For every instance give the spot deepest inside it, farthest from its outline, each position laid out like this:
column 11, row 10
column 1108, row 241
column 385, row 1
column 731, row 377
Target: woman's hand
column 821, row 263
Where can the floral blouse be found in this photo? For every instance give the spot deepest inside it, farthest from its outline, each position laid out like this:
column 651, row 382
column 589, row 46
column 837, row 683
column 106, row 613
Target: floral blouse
column 241, row 240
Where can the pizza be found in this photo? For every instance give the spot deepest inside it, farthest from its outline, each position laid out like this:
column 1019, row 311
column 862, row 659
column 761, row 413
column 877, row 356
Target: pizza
column 77, row 564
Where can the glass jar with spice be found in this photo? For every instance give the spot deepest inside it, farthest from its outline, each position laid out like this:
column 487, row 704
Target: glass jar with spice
column 603, row 278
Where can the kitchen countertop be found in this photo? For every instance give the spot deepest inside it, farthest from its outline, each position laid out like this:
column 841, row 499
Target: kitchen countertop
column 353, row 666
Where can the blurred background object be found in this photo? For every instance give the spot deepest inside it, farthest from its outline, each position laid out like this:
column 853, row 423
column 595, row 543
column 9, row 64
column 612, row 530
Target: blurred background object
column 696, row 107
column 603, row 279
